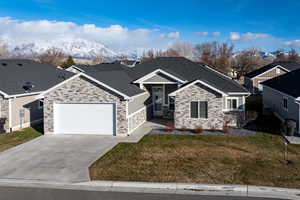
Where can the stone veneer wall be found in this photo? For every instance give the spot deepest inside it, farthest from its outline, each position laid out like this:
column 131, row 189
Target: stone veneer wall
column 137, row 119
column 82, row 90
column 183, row 99
column 4, row 114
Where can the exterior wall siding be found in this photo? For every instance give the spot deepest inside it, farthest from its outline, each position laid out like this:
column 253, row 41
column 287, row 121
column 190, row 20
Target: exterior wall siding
column 273, row 100
column 137, row 119
column 81, row 90
column 31, row 111
column 138, row 102
column 4, row 115
column 263, row 77
column 183, row 99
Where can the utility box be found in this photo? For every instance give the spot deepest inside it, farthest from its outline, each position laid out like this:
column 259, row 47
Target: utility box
column 290, row 127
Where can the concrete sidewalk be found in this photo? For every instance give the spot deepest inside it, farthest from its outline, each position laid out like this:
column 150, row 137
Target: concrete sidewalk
column 164, row 188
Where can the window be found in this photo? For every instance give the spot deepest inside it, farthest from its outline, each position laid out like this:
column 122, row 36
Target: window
column 40, row 104
column 277, row 71
column 199, row 109
column 171, row 103
column 232, row 103
column 285, row 103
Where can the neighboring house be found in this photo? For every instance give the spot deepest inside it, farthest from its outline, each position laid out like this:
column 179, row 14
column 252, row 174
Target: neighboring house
column 20, row 82
column 281, row 95
column 114, row 99
column 253, row 79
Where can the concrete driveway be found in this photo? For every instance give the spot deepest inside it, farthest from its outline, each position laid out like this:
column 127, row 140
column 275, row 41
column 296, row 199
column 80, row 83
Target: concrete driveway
column 61, row 158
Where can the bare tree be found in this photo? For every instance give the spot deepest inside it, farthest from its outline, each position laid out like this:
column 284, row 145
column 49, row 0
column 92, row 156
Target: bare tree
column 4, row 53
column 293, row 56
column 148, row 55
column 280, row 55
column 184, row 49
column 215, row 54
column 53, row 57
column 98, row 60
column 247, row 61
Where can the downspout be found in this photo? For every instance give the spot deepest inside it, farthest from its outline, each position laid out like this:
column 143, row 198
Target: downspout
column 9, row 115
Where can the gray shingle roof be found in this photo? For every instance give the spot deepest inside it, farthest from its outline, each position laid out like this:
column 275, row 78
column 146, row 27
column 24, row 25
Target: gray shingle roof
column 287, row 83
column 14, row 73
column 187, row 70
column 121, row 77
column 288, row 66
column 115, row 76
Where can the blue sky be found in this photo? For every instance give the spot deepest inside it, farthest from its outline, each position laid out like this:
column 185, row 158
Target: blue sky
column 266, row 24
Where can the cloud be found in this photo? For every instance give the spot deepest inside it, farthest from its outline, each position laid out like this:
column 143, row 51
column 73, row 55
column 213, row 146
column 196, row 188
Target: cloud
column 292, row 43
column 205, row 34
column 116, row 37
column 236, row 36
column 216, row 33
column 202, row 33
column 171, row 35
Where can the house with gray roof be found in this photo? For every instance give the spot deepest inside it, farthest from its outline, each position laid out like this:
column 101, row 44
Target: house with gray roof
column 21, row 81
column 281, row 95
column 115, row 99
column 254, row 79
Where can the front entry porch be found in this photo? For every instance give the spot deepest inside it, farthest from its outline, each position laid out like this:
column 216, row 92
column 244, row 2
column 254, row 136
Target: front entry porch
column 162, row 106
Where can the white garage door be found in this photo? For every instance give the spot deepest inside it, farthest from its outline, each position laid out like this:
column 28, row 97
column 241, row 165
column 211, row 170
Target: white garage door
column 84, row 119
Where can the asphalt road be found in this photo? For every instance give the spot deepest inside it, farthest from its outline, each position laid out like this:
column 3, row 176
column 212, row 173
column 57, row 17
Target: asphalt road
column 22, row 193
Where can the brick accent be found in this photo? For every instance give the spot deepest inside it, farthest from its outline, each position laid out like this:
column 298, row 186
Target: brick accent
column 198, row 92
column 82, row 90
column 137, row 119
column 4, row 115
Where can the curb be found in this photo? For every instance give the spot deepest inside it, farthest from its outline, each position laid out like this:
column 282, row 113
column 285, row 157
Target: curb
column 255, row 191
column 173, row 188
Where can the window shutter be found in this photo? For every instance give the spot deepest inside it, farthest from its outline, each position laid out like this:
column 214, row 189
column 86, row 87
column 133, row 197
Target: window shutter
column 203, row 109
column 194, row 109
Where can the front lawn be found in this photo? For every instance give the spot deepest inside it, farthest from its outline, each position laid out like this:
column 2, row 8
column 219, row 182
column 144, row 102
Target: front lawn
column 15, row 138
column 254, row 160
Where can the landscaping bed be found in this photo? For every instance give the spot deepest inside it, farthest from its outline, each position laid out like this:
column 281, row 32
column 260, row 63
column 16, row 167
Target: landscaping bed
column 253, row 160
column 8, row 140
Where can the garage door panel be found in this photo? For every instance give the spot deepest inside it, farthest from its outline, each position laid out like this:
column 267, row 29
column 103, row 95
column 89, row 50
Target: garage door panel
column 84, row 119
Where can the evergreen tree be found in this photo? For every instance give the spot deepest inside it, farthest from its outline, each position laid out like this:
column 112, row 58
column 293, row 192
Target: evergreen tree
column 68, row 63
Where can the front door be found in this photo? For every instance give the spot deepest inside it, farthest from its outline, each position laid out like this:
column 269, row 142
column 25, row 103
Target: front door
column 157, row 99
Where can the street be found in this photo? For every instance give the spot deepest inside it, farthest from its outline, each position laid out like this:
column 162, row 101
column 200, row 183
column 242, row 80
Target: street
column 26, row 193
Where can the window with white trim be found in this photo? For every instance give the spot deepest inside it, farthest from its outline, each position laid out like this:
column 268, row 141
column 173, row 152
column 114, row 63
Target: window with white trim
column 171, row 103
column 277, row 70
column 232, row 103
column 285, row 103
column 199, row 109
column 40, row 104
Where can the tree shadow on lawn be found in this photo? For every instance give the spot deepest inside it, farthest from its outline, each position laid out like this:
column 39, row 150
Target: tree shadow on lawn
column 265, row 123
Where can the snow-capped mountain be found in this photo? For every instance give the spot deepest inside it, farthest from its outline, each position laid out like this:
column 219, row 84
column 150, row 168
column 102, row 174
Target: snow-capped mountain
column 78, row 48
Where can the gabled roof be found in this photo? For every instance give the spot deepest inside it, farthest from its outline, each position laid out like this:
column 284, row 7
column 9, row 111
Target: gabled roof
column 14, row 73
column 287, row 66
column 197, row 82
column 122, row 78
column 187, row 70
column 115, row 76
column 288, row 83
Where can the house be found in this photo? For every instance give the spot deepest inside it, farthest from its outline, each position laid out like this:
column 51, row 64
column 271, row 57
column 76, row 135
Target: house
column 281, row 95
column 115, row 99
column 21, row 81
column 253, row 79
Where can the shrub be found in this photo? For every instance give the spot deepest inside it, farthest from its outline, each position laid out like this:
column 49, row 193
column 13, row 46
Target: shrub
column 169, row 127
column 226, row 128
column 198, row 129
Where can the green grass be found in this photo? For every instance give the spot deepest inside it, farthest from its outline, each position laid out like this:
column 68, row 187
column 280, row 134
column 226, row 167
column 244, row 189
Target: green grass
column 254, row 160
column 15, row 138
